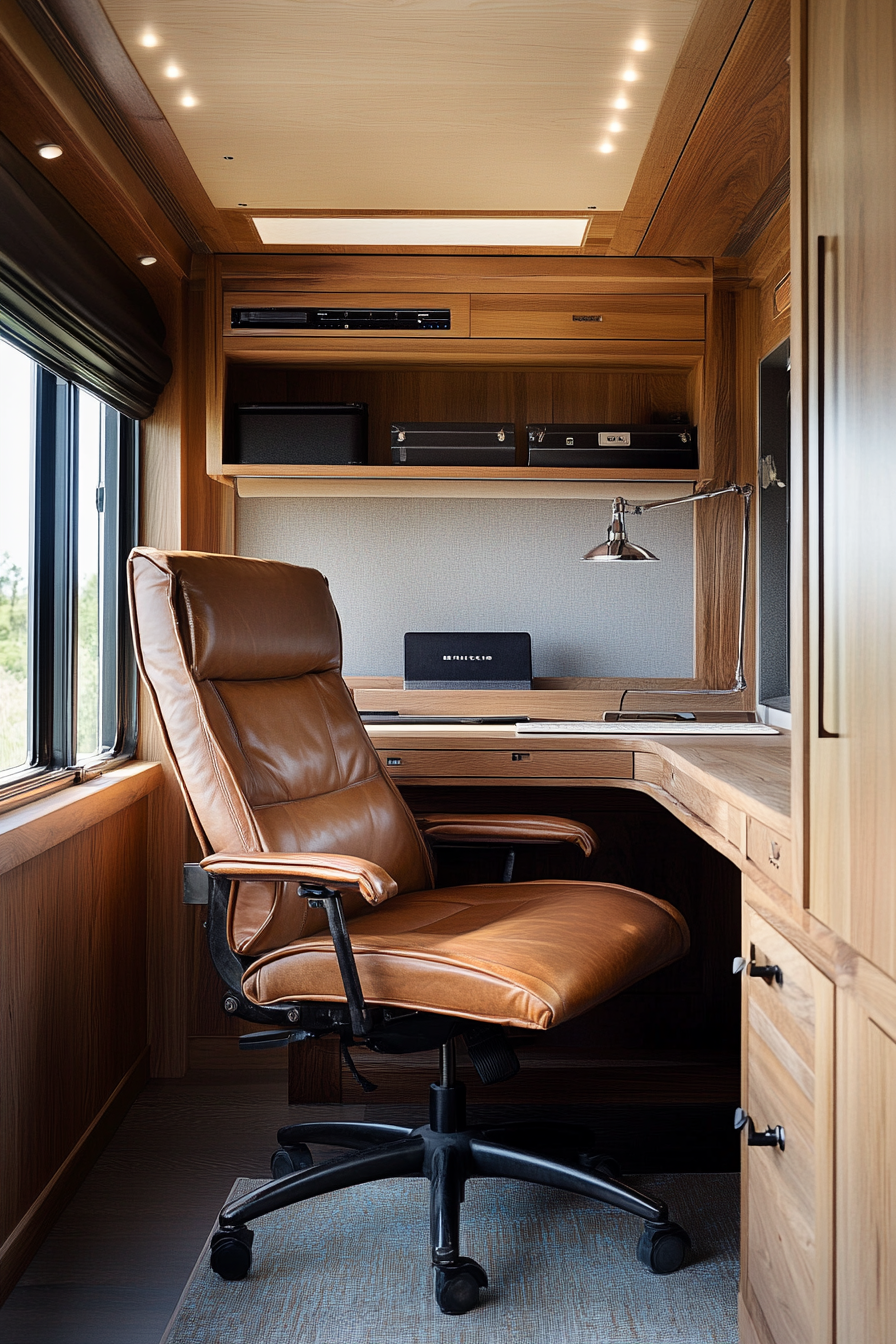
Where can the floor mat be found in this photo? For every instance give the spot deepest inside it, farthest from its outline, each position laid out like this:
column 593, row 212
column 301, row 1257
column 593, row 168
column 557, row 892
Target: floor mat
column 352, row 1267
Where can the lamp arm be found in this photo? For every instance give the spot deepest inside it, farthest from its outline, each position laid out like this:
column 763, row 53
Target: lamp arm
column 746, row 494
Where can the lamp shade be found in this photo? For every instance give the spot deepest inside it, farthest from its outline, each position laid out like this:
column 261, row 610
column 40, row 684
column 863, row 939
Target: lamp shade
column 619, row 548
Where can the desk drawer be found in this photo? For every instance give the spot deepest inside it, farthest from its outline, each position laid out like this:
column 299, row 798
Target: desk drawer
column 588, row 317
column 509, row 764
column 770, row 852
column 787, row 1225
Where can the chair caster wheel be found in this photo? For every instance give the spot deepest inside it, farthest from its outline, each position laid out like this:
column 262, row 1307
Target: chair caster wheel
column 663, row 1247
column 290, row 1158
column 231, row 1253
column 457, row 1286
column 602, row 1164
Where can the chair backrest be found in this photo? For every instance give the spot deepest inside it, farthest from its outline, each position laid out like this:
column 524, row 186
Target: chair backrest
column 242, row 659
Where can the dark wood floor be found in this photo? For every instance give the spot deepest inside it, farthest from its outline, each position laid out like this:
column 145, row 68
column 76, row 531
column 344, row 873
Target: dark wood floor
column 113, row 1268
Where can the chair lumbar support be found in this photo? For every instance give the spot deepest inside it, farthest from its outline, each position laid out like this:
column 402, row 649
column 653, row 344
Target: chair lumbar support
column 448, row 1153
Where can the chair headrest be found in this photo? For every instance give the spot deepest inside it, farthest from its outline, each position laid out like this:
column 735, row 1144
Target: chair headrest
column 250, row 620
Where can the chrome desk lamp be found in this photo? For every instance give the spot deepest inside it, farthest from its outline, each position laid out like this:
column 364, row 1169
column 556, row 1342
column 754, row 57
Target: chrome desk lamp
column 617, row 547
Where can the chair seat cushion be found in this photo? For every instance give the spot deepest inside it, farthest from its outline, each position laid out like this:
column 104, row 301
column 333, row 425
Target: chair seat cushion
column 523, row 954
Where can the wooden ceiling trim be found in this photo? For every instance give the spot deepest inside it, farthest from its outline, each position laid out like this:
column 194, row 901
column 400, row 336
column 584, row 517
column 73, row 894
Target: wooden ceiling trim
column 450, row 274
column 776, row 195
column 711, row 36
column 80, row 36
column 38, row 102
column 739, row 146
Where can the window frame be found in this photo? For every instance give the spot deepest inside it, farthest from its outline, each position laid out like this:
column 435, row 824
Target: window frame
column 53, row 761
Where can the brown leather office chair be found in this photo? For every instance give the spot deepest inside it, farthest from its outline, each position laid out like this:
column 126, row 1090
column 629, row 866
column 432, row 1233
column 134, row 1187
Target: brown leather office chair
column 324, row 917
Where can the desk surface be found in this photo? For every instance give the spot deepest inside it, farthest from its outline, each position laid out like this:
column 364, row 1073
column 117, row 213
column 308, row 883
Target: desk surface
column 735, row 793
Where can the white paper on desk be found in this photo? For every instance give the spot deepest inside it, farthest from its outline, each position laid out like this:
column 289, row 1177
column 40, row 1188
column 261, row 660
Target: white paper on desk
column 645, row 729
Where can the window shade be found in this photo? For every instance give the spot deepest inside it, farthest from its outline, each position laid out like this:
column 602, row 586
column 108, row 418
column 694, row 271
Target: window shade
column 68, row 301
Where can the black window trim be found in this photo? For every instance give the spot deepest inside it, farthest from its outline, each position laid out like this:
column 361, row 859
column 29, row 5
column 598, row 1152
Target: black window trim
column 52, row 672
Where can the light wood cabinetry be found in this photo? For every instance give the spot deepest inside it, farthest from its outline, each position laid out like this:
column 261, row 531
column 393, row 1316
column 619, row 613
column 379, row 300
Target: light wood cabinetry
column 866, row 1175
column 844, row 857
column 786, row 1250
column 849, row 247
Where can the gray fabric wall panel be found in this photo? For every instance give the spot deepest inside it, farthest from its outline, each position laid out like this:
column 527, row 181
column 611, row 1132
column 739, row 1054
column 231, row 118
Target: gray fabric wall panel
column 486, row 564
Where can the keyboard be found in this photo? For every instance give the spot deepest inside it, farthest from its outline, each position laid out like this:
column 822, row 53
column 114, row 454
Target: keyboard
column 669, row 728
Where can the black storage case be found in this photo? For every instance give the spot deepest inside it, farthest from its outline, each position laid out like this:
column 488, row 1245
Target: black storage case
column 446, row 444
column 613, row 446
column 303, row 434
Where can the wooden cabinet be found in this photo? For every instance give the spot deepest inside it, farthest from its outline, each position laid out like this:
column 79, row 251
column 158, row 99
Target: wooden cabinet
column 848, row 243
column 866, row 1174
column 591, row 317
column 787, row 1239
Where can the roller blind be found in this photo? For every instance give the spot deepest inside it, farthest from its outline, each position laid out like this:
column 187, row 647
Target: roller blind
column 68, row 301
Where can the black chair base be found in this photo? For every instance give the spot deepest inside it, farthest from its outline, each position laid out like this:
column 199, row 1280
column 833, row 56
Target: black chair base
column 448, row 1154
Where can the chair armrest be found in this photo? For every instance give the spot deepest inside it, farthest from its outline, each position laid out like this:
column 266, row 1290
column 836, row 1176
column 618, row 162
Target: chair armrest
column 521, row 830
column 373, row 882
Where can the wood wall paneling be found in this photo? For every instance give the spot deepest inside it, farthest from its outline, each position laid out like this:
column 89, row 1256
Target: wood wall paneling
column 73, row 986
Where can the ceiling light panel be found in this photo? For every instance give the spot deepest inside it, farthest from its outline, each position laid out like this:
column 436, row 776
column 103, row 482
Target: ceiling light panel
column 402, row 105
column 422, row 232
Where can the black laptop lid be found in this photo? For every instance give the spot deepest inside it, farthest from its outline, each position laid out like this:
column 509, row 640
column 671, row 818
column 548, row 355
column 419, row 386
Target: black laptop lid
column 454, row 661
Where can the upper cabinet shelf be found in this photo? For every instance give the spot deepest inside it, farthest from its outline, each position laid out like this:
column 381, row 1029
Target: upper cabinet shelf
column 457, row 482
column 530, row 340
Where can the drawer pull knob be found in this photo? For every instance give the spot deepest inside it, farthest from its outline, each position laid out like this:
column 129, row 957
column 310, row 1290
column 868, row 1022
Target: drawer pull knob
column 519, row 755
column 393, row 760
column 772, row 1137
column 766, row 973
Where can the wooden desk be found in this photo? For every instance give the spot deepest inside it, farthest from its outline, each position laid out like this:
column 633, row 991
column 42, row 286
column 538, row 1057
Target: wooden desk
column 734, row 793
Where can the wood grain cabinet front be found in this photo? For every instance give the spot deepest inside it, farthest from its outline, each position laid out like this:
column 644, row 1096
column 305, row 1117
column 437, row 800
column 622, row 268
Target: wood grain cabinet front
column 508, row 765
column 591, row 317
column 787, row 1205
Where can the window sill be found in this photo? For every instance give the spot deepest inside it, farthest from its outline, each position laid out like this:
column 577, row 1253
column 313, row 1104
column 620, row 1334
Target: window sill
column 35, row 827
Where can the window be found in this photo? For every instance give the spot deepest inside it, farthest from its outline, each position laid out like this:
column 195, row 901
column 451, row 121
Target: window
column 67, row 522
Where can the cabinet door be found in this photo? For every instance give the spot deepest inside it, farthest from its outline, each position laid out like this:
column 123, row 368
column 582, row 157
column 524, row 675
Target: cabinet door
column 866, row 1174
column 787, row 1228
column 849, row 314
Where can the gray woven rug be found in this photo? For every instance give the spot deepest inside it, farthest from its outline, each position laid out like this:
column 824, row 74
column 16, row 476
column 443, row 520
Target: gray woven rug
column 353, row 1268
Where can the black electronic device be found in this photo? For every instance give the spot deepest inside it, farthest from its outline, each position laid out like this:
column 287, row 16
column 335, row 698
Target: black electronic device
column 301, row 434
column 454, row 661
column 434, row 443
column 669, row 445
column 340, row 319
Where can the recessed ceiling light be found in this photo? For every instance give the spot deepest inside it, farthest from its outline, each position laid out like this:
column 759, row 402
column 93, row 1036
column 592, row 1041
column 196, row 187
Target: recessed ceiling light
column 640, row 44
column 173, row 71
column 616, row 126
column 147, row 261
column 188, row 100
column 621, row 103
column 425, row 231
column 606, row 147
column 149, row 40
column 49, row 151
column 629, row 76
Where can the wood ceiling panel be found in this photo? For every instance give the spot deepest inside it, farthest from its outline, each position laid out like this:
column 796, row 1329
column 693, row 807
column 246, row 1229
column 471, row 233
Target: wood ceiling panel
column 485, row 105
column 739, row 148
